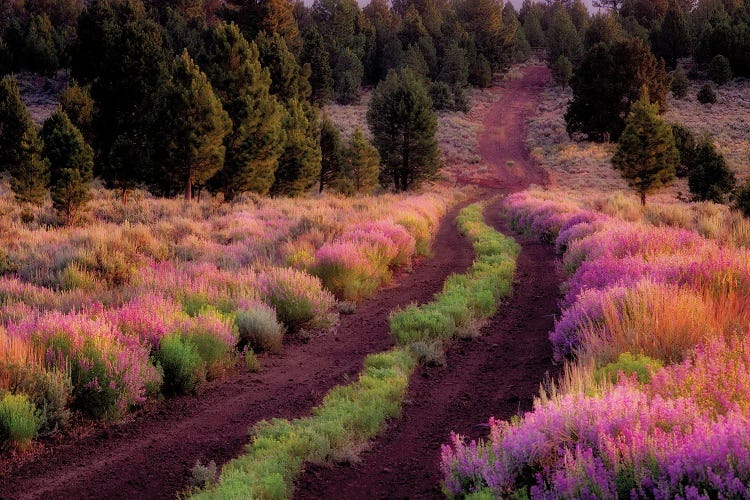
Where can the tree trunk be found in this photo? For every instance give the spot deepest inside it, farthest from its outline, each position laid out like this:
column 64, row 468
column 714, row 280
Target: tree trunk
column 124, row 196
column 189, row 189
column 643, row 199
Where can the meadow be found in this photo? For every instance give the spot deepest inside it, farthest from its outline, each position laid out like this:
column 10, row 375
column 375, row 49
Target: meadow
column 653, row 336
column 154, row 297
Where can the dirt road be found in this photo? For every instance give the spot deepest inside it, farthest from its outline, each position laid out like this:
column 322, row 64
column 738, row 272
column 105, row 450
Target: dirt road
column 497, row 374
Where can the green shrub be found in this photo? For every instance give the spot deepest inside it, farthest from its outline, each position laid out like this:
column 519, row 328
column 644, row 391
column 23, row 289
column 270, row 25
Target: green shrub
column 680, row 84
column 720, row 70
column 628, row 364
column 49, row 392
column 95, row 392
column 259, row 329
column 251, row 361
column 707, row 95
column 414, row 323
column 181, row 363
column 19, row 420
column 347, row 416
column 428, row 353
column 299, row 298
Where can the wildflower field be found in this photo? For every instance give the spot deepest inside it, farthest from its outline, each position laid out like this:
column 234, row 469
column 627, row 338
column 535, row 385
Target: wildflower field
column 655, row 340
column 156, row 296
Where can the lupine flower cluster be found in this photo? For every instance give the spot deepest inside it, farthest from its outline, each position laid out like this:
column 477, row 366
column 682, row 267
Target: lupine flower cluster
column 145, row 297
column 661, row 292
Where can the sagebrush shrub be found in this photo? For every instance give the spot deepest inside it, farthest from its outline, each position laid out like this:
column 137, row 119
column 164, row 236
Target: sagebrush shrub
column 629, row 365
column 19, row 420
column 299, row 299
column 259, row 329
column 181, row 363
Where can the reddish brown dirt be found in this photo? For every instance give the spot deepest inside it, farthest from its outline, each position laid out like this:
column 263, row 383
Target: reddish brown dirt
column 502, row 140
column 151, row 456
column 497, row 374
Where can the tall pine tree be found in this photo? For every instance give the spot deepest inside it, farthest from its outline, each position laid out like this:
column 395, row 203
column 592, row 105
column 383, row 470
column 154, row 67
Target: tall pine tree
column 360, row 169
column 403, row 124
column 15, row 120
column 646, row 155
column 29, row 175
column 256, row 141
column 330, row 153
column 299, row 165
column 71, row 163
column 197, row 127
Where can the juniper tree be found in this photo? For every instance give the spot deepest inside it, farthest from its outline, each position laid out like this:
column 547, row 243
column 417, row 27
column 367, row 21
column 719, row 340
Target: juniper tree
column 709, row 176
column 255, row 143
column 646, row 155
column 197, row 126
column 71, row 165
column 680, row 84
column 403, row 125
column 360, row 169
column 77, row 103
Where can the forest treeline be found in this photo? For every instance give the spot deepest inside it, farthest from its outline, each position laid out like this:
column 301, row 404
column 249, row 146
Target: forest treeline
column 182, row 95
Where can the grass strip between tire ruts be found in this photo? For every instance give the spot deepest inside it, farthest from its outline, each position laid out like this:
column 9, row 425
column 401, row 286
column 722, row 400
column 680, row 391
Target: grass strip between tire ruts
column 352, row 414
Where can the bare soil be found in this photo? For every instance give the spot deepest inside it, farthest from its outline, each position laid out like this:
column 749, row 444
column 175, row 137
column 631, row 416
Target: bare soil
column 151, row 456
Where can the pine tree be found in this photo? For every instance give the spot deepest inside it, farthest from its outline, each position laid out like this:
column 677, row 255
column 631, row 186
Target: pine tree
column 314, row 53
column 15, row 121
column 680, row 84
column 607, row 81
column 720, row 70
column 197, row 127
column 646, row 155
column 709, row 176
column 71, row 163
column 77, row 103
column 29, row 175
column 331, row 153
column 454, row 69
column 672, row 39
column 360, row 168
column 562, row 37
column 348, row 77
column 275, row 17
column 256, row 141
column 299, row 165
column 562, row 71
column 403, row 124
column 120, row 53
column 288, row 79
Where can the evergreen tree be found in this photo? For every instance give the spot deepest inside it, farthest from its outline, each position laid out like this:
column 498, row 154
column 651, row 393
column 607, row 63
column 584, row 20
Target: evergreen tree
column 608, row 80
column 680, row 84
column 331, row 153
column 604, row 28
column 579, row 14
column 197, row 127
column 454, row 69
column 40, row 51
column 299, row 165
column 288, row 80
column 349, row 72
column 707, row 95
column 77, row 103
column 685, row 143
column 532, row 28
column 15, row 121
column 672, row 40
column 29, row 175
column 120, row 53
column 709, row 177
column 314, row 53
column 275, row 17
column 562, row 37
column 71, row 164
column 403, row 124
column 646, row 155
column 720, row 70
column 256, row 141
column 562, row 71
column 360, row 168
column 742, row 199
